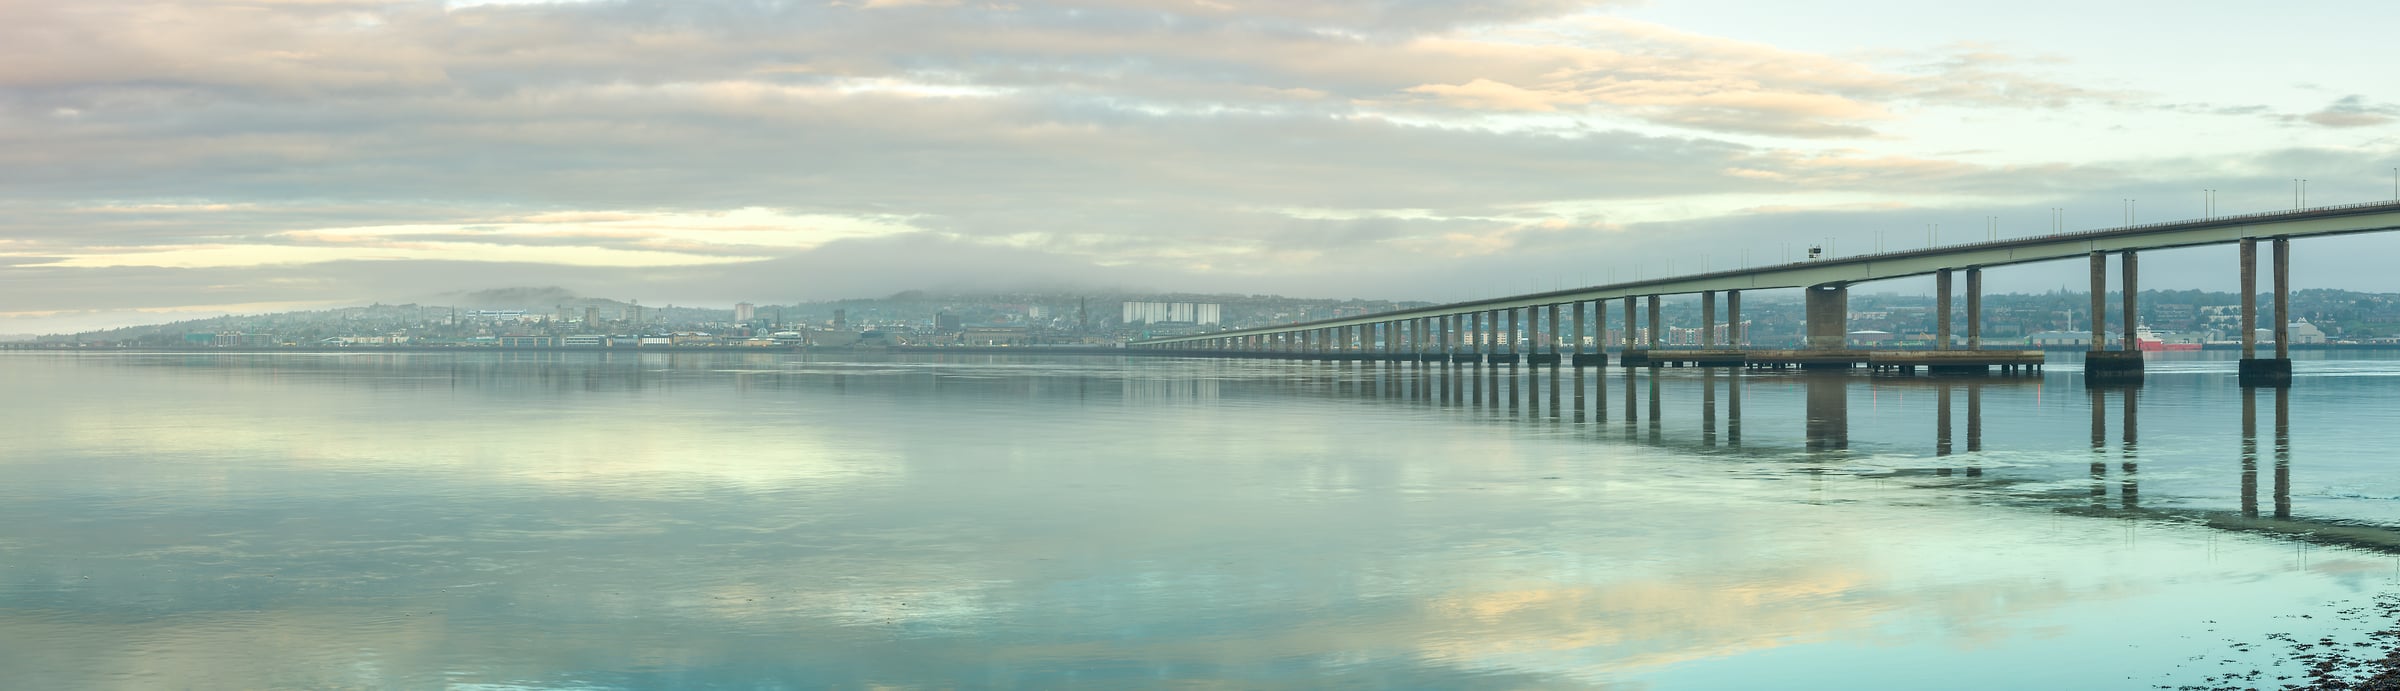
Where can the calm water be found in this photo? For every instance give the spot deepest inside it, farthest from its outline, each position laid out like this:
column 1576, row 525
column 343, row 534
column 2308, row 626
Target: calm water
column 570, row 521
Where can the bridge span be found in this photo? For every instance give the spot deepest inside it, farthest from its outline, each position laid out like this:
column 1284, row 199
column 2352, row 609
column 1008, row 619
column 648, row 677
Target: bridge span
column 1473, row 331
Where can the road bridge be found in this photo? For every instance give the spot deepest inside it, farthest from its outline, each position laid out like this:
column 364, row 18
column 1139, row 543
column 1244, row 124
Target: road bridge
column 1507, row 330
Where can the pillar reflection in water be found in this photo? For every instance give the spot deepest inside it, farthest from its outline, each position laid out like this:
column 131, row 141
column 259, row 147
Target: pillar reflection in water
column 1630, row 416
column 2099, row 398
column 1491, row 376
column 2283, row 440
column 1941, row 422
column 1733, row 407
column 1708, row 407
column 1577, row 381
column 1828, row 411
column 2129, row 492
column 1517, row 395
column 1655, row 429
column 2250, row 452
column 1474, row 385
column 2282, row 492
column 1975, row 428
column 1554, row 389
column 1599, row 396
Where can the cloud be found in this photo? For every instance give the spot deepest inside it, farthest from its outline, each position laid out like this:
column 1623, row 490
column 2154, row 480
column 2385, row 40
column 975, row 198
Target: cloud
column 1661, row 76
column 360, row 146
column 2353, row 111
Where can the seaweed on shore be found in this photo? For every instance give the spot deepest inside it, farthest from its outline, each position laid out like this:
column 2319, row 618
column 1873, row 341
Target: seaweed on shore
column 2372, row 664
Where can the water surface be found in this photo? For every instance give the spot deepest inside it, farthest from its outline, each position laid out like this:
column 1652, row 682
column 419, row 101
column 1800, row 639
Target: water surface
column 587, row 521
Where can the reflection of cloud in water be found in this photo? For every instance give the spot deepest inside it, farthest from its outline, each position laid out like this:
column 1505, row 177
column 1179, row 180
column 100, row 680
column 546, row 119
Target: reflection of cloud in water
column 435, row 423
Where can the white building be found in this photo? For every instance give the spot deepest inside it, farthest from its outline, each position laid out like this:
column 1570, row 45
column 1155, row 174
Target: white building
column 1200, row 313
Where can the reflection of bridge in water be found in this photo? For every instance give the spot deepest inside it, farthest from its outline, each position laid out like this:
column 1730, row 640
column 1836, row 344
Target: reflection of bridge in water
column 1488, row 331
column 1559, row 396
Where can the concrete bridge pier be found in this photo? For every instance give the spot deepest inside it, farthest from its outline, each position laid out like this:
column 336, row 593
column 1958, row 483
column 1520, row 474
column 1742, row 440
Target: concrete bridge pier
column 1828, row 309
column 1974, row 308
column 1637, row 350
column 1941, row 309
column 2257, row 371
column 1546, row 325
column 2101, row 364
column 1470, row 325
column 1504, row 336
column 1599, row 355
column 1555, row 338
column 1454, row 337
column 1733, row 319
column 1625, row 352
column 1708, row 319
column 1600, row 333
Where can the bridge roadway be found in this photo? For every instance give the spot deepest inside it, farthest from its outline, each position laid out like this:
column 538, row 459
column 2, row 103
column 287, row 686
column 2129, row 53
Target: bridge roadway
column 1458, row 331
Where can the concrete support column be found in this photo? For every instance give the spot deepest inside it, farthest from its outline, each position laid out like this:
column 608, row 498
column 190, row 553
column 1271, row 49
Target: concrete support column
column 1599, row 326
column 1511, row 336
column 2100, row 363
column 1733, row 319
column 2249, row 298
column 1941, row 309
column 1632, row 325
column 1579, row 330
column 2099, row 301
column 2130, row 266
column 1708, row 319
column 1657, row 334
column 1536, row 324
column 1553, row 329
column 1974, row 309
column 1828, row 317
column 1475, row 333
column 2283, row 298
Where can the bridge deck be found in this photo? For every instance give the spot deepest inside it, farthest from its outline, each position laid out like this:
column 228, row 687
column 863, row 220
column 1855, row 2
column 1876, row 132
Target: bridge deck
column 2340, row 220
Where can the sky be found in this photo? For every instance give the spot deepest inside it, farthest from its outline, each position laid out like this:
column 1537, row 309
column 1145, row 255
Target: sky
column 165, row 159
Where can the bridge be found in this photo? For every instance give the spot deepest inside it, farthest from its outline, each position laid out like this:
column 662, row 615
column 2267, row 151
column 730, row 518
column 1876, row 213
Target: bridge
column 1474, row 332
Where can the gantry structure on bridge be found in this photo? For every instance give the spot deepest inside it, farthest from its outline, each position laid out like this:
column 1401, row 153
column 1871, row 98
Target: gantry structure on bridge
column 1490, row 331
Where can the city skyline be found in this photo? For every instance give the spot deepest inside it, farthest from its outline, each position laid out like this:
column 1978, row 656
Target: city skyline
column 201, row 158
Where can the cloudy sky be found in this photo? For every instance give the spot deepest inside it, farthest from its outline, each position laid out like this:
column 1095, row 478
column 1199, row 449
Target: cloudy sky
column 169, row 158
